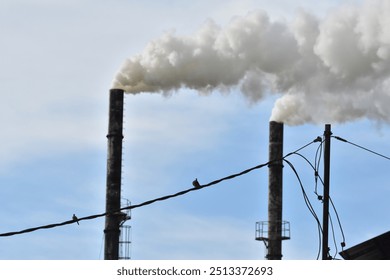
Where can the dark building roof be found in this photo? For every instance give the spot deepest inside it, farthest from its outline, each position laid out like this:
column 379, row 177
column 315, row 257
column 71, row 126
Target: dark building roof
column 377, row 248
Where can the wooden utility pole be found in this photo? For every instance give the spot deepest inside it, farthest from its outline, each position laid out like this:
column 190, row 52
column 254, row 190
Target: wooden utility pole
column 325, row 222
column 275, row 191
column 114, row 175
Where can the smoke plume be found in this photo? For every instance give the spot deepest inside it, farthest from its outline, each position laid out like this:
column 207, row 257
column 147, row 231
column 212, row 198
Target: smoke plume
column 334, row 69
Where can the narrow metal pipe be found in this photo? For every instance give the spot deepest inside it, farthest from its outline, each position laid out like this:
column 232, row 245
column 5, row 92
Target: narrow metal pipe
column 325, row 222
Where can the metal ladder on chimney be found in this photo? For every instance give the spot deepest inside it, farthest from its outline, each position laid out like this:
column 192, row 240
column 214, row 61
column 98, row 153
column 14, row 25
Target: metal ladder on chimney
column 125, row 235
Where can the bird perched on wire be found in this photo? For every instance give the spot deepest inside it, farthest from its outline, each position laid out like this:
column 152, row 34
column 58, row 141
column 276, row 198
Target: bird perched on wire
column 74, row 218
column 196, row 184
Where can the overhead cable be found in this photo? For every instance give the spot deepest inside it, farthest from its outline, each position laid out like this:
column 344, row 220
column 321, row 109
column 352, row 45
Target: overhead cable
column 309, row 205
column 148, row 202
column 361, row 147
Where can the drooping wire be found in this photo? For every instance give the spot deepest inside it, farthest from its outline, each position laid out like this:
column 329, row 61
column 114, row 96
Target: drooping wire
column 317, row 161
column 315, row 167
column 195, row 188
column 319, row 156
column 334, row 236
column 309, row 206
column 339, row 222
column 301, row 148
column 316, row 175
column 361, row 147
column 312, row 166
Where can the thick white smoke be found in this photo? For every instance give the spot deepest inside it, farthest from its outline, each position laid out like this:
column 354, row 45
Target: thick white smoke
column 336, row 69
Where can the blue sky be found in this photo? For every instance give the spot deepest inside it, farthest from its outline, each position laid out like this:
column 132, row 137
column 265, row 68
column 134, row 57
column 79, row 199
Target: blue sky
column 58, row 62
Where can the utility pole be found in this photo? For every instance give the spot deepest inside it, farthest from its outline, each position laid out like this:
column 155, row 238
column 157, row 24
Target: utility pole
column 114, row 175
column 275, row 191
column 325, row 222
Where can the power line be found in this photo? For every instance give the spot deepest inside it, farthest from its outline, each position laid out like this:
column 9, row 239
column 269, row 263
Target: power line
column 317, row 161
column 333, row 231
column 195, row 188
column 315, row 167
column 334, row 237
column 361, row 147
column 308, row 204
column 339, row 222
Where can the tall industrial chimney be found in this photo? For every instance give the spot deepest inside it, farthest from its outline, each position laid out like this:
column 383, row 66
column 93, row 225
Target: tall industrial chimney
column 275, row 191
column 114, row 174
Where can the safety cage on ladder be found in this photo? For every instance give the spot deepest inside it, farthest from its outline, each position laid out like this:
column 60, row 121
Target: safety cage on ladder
column 262, row 230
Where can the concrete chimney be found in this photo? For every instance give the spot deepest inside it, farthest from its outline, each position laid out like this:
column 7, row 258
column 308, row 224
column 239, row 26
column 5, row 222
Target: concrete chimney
column 275, row 191
column 114, row 175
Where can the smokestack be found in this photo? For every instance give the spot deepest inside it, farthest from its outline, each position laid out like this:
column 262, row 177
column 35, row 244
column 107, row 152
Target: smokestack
column 275, row 191
column 114, row 173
